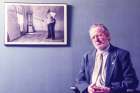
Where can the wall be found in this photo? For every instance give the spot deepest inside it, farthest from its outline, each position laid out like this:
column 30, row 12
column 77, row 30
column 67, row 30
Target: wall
column 48, row 69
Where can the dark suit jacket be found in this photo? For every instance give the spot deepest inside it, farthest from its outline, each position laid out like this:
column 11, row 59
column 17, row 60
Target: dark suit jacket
column 120, row 74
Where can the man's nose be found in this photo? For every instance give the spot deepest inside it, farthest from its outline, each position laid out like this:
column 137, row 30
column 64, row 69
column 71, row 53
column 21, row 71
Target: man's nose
column 96, row 38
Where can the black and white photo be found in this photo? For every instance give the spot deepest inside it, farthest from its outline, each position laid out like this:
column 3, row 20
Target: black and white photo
column 35, row 24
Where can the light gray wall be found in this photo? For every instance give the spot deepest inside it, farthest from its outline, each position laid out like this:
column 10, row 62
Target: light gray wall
column 47, row 69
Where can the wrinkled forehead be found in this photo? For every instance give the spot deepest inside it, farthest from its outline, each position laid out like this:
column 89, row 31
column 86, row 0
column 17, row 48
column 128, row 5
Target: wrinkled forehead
column 96, row 30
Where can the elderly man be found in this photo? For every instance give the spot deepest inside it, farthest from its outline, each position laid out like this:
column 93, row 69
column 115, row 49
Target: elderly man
column 107, row 69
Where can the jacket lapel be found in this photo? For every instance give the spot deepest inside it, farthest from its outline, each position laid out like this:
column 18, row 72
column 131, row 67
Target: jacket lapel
column 91, row 63
column 111, row 59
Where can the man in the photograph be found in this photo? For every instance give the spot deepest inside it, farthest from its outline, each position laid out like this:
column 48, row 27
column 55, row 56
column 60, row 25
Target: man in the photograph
column 107, row 69
column 51, row 24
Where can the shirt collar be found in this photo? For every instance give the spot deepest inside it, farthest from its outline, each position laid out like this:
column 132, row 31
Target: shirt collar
column 105, row 51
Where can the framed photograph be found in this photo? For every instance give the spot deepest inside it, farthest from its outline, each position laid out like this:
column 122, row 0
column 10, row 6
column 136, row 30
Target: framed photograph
column 35, row 24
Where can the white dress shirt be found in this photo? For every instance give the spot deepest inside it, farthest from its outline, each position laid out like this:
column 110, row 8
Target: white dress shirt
column 95, row 75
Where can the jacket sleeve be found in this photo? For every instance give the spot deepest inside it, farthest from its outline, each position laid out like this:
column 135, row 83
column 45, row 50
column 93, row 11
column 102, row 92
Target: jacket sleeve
column 81, row 80
column 129, row 80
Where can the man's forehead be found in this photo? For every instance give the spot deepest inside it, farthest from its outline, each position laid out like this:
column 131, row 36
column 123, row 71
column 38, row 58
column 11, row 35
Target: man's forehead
column 97, row 30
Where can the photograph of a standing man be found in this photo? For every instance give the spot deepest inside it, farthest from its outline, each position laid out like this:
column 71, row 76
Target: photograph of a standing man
column 51, row 24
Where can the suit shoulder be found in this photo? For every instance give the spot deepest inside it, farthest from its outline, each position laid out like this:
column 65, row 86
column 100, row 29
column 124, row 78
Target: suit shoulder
column 121, row 51
column 89, row 52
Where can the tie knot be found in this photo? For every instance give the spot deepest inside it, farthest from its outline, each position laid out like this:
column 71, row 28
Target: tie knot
column 100, row 57
column 100, row 54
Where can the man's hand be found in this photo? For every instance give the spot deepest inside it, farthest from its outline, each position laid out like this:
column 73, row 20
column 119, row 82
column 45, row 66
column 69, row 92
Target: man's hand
column 105, row 89
column 91, row 89
column 96, row 89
